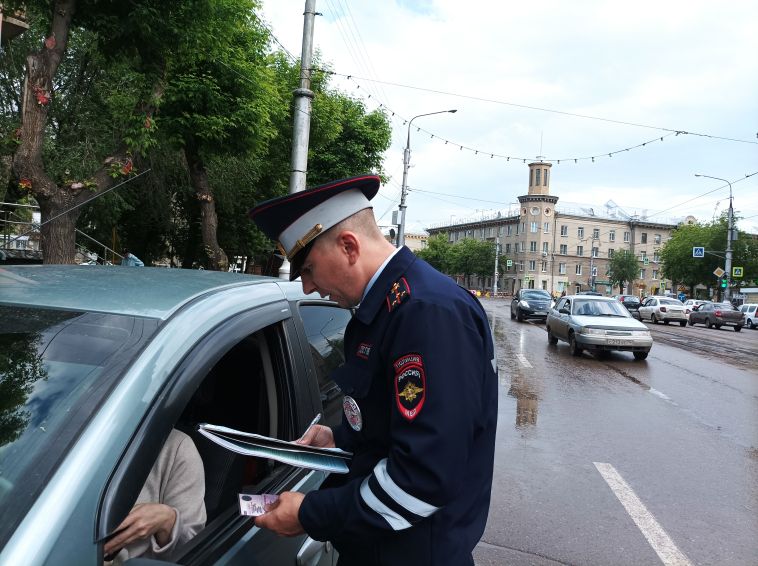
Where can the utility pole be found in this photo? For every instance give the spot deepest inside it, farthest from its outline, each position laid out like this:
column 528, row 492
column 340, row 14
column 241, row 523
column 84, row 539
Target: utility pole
column 406, row 165
column 497, row 253
column 301, row 123
column 729, row 237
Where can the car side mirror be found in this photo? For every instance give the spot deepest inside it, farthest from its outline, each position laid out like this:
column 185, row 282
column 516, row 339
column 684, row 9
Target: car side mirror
column 564, row 310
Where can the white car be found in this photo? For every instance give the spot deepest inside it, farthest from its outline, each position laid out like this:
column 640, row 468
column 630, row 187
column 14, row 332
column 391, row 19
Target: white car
column 751, row 314
column 690, row 303
column 663, row 309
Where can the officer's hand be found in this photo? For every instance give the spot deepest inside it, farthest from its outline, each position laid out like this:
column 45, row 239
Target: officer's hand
column 319, row 436
column 282, row 515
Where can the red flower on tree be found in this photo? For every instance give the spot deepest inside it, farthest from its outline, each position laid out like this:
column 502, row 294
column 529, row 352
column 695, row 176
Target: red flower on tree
column 127, row 167
column 25, row 184
column 42, row 96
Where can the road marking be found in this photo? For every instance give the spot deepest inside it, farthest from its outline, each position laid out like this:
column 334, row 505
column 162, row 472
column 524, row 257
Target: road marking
column 664, row 547
column 522, row 359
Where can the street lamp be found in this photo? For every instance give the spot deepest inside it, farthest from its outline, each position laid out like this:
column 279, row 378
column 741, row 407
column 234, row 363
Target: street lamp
column 406, row 164
column 729, row 233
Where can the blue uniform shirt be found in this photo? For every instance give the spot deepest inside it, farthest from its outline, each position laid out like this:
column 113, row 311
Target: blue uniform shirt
column 420, row 366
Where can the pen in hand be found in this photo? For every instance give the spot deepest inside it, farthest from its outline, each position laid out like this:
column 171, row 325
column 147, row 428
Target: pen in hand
column 315, row 420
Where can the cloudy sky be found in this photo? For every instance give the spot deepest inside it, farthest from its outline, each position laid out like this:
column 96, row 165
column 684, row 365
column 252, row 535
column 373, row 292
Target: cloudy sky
column 560, row 79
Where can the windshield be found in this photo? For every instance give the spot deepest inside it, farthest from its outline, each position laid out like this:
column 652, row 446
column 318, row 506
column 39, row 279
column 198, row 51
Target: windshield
column 55, row 369
column 599, row 308
column 536, row 295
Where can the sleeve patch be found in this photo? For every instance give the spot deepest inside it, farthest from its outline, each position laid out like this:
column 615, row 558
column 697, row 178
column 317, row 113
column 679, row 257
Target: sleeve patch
column 410, row 385
column 399, row 293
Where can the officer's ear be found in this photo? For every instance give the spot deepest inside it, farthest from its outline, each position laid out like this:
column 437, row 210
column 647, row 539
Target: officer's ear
column 349, row 245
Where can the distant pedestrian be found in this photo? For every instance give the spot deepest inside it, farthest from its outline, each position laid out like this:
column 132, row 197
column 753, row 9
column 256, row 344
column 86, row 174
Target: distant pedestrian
column 131, row 260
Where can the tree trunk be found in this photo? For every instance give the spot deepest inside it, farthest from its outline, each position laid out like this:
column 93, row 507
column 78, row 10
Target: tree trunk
column 59, row 236
column 217, row 259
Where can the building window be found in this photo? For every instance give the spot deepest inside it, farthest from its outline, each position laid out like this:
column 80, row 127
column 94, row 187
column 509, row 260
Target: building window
column 507, row 248
column 580, row 232
column 545, row 247
column 578, row 288
column 532, row 265
column 544, row 267
column 523, row 227
column 657, row 239
column 656, row 257
column 626, row 237
column 546, row 228
column 610, row 252
column 612, row 235
column 643, row 238
column 579, row 250
column 561, row 269
column 643, row 255
column 532, row 246
column 564, row 249
column 564, row 230
column 537, row 177
column 595, row 252
column 544, row 178
column 578, row 269
column 534, row 227
column 517, row 227
column 523, row 246
column 655, row 274
column 509, row 230
column 596, row 233
column 642, row 273
column 521, row 265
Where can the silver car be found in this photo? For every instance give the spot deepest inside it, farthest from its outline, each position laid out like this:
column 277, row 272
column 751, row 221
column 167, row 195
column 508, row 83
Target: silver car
column 663, row 309
column 597, row 324
column 98, row 365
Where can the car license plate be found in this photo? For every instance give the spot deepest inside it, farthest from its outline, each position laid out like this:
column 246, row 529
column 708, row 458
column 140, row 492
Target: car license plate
column 618, row 342
column 540, row 312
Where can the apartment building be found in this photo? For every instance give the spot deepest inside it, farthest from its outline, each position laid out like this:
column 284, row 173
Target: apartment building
column 559, row 248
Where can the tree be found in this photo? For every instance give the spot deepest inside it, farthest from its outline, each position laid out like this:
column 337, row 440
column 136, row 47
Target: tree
column 437, row 252
column 472, row 257
column 622, row 268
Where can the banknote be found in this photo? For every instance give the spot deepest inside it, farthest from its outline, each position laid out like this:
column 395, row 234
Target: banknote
column 254, row 505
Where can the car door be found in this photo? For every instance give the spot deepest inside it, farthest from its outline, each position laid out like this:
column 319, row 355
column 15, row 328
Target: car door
column 249, row 374
column 646, row 309
column 559, row 322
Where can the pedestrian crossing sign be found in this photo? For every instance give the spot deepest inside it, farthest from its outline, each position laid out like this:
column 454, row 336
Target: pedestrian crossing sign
column 737, row 272
column 698, row 251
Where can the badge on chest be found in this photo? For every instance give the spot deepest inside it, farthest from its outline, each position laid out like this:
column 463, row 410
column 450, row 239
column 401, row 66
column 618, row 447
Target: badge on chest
column 352, row 413
column 410, row 385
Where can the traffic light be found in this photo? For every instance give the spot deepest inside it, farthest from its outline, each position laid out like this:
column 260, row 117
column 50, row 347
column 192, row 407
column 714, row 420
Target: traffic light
column 724, row 282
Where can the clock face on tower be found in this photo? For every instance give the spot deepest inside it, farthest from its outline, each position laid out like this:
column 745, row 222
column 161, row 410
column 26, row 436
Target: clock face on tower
column 535, row 210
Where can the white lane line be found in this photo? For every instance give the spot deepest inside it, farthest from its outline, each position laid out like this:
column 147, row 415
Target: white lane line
column 522, row 359
column 664, row 547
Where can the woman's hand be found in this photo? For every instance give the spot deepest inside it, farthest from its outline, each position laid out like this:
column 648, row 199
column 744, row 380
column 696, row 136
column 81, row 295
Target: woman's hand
column 143, row 521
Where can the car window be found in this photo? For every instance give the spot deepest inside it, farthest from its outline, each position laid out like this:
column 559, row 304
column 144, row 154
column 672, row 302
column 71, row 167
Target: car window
column 671, row 302
column 325, row 330
column 532, row 294
column 55, row 369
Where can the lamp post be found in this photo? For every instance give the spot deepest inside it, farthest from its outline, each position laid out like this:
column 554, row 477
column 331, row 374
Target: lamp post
column 729, row 235
column 406, row 164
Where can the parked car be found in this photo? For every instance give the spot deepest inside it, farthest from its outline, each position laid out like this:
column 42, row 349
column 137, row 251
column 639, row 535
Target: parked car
column 662, row 309
column 530, row 303
column 100, row 363
column 631, row 302
column 718, row 315
column 751, row 314
column 691, row 304
column 597, row 324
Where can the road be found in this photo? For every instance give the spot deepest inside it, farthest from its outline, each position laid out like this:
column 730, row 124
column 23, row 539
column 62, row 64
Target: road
column 617, row 461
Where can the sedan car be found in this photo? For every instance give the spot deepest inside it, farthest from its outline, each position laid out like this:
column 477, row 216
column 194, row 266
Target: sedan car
column 530, row 303
column 692, row 304
column 631, row 302
column 718, row 315
column 751, row 314
column 597, row 324
column 663, row 309
column 100, row 364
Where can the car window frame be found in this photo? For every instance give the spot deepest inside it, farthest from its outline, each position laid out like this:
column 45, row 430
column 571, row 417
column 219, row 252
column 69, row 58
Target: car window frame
column 166, row 407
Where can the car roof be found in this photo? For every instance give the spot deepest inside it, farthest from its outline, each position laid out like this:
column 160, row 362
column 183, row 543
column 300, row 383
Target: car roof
column 151, row 292
column 592, row 298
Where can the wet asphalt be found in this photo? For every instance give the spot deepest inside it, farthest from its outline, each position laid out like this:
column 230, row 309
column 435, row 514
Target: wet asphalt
column 616, row 461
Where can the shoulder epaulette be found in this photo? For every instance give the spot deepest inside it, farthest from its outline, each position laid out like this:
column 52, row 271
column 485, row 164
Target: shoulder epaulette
column 399, row 293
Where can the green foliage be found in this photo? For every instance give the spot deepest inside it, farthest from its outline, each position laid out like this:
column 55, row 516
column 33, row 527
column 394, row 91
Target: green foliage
column 437, row 252
column 623, row 268
column 472, row 257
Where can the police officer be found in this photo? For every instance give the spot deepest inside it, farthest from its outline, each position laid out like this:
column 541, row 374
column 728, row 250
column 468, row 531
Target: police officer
column 420, row 385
